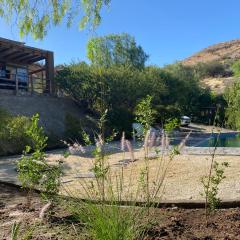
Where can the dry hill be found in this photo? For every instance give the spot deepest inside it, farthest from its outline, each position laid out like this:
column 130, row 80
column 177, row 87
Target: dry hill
column 218, row 52
column 225, row 53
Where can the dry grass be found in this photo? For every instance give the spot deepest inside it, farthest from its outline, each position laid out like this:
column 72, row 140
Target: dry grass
column 218, row 85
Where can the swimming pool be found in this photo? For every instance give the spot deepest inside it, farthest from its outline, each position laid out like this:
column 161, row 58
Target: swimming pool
column 222, row 140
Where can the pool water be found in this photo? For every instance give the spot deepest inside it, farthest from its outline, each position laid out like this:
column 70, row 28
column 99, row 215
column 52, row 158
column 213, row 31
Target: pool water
column 222, row 140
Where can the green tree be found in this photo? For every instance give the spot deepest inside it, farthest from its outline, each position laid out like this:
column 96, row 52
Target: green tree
column 184, row 87
column 232, row 97
column 173, row 93
column 36, row 17
column 116, row 49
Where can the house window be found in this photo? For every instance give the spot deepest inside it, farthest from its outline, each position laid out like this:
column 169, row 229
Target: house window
column 10, row 72
column 22, row 75
column 2, row 70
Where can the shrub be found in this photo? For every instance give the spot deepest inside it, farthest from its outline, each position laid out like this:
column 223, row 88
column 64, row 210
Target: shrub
column 33, row 170
column 211, row 185
column 12, row 133
column 174, row 90
column 144, row 112
column 211, row 69
column 171, row 124
column 73, row 128
column 236, row 68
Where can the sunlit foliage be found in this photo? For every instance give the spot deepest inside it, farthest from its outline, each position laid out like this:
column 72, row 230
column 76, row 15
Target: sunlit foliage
column 35, row 17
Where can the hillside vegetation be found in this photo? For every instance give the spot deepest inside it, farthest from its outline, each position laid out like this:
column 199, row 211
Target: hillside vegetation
column 214, row 64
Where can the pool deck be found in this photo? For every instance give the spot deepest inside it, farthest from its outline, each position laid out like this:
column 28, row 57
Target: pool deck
column 224, row 151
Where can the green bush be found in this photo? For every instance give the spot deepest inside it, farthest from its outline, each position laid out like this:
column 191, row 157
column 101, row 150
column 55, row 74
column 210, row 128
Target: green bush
column 33, row 170
column 236, row 68
column 73, row 128
column 12, row 133
column 145, row 114
column 212, row 69
column 171, row 124
column 175, row 90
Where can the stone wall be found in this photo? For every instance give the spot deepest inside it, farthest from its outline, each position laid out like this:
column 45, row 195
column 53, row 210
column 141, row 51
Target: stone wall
column 52, row 110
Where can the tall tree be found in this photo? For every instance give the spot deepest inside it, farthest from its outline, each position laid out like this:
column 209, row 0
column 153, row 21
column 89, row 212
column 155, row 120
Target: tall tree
column 116, row 49
column 232, row 96
column 35, row 17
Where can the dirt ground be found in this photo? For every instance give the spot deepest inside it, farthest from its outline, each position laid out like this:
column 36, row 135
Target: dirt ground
column 14, row 209
column 166, row 224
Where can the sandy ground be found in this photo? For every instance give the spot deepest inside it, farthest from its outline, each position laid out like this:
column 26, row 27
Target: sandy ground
column 182, row 180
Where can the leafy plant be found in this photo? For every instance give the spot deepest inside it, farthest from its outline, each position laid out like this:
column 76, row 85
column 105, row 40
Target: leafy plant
column 36, row 19
column 212, row 181
column 145, row 114
column 171, row 124
column 13, row 137
column 211, row 185
column 33, row 170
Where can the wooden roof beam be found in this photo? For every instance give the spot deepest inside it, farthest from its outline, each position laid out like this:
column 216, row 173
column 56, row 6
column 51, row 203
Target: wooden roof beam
column 4, row 50
column 19, row 56
column 13, row 54
column 36, row 59
column 27, row 58
column 27, row 55
column 22, row 47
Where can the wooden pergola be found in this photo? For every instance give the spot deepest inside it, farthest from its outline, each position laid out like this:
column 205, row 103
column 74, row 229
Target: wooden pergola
column 13, row 52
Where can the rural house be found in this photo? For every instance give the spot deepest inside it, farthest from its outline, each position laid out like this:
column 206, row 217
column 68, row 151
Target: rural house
column 25, row 69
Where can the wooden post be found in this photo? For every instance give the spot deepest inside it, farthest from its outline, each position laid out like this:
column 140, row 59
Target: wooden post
column 16, row 82
column 50, row 72
column 31, row 80
column 42, row 82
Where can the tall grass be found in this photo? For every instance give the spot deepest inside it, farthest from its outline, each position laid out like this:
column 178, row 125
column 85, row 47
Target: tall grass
column 108, row 205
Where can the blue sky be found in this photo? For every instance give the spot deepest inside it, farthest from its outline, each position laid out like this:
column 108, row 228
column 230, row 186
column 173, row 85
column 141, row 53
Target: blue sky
column 168, row 30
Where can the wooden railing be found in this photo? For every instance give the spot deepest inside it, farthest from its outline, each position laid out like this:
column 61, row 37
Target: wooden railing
column 23, row 83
